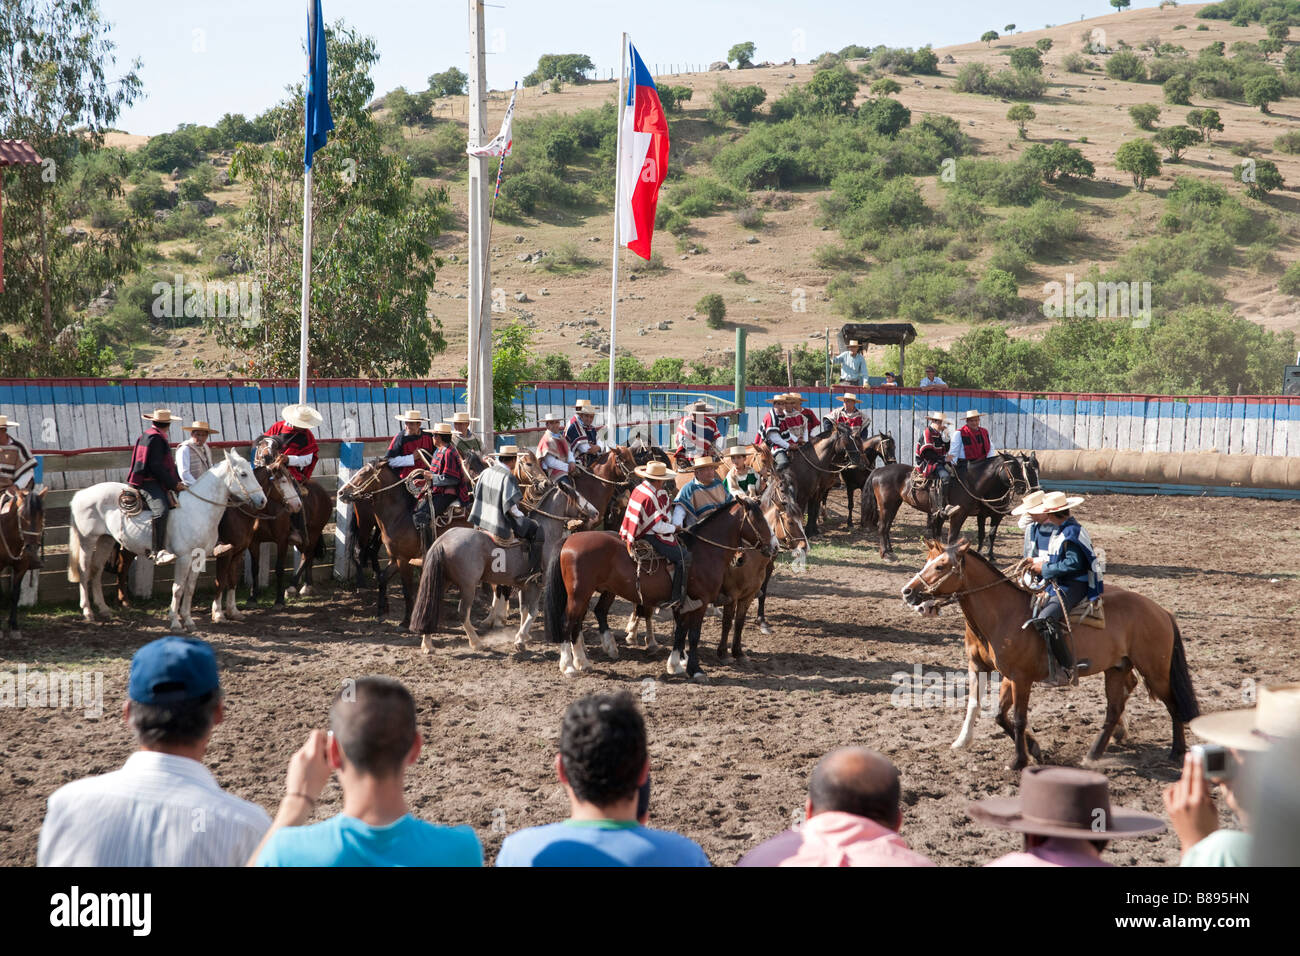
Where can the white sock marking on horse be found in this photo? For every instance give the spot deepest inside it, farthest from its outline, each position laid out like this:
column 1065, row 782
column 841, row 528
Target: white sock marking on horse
column 968, row 726
column 471, row 634
column 566, row 659
column 580, row 659
column 609, row 645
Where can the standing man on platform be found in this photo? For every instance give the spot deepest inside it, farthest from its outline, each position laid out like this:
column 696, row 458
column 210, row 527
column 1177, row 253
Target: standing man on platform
column 853, row 365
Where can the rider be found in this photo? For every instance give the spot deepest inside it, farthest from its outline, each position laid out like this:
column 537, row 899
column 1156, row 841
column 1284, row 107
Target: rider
column 193, row 456
column 299, row 449
column 647, row 518
column 801, row 424
column 772, row 433
column 496, row 505
column 17, row 466
column 153, row 472
column 402, row 451
column 849, row 414
column 742, row 481
column 933, row 459
column 581, row 433
column 447, row 481
column 554, row 453
column 464, row 439
column 697, row 433
column 1072, row 573
column 705, row 492
column 975, row 444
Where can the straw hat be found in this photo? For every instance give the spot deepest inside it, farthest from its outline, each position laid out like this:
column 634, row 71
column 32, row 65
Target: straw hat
column 700, row 408
column 547, row 419
column 745, row 450
column 442, row 428
column 6, row 423
column 972, row 414
column 854, row 343
column 160, row 416
column 199, row 426
column 1065, row 802
column 793, row 397
column 1055, row 501
column 508, row 451
column 655, row 470
column 849, row 397
column 1275, row 716
column 704, row 461
column 411, row 415
column 583, row 406
column 776, row 399
column 301, row 416
column 1031, row 504
column 461, row 418
column 937, row 417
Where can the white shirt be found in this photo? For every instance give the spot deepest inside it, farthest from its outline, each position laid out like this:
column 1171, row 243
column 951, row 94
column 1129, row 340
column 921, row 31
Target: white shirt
column 192, row 460
column 959, row 447
column 931, row 382
column 158, row 810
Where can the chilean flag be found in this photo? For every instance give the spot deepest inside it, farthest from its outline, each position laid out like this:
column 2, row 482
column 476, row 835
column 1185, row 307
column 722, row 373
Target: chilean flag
column 642, row 160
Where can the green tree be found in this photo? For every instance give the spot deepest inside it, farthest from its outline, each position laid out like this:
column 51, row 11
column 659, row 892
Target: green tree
column 1027, row 58
column 988, row 36
column 565, row 67
column 404, row 108
column 1144, row 115
column 59, row 99
column 1009, row 28
column 512, row 364
column 372, row 259
column 1138, row 158
column 885, row 87
column 713, row 308
column 1020, row 114
column 833, row 90
column 886, row 116
column 1119, row 4
column 1059, row 160
column 672, row 97
column 1263, row 90
column 1177, row 139
column 1207, row 121
column 1126, row 65
column 1278, row 31
column 452, row 82
column 1043, row 45
column 1178, row 90
column 1260, row 177
column 742, row 54
column 737, row 103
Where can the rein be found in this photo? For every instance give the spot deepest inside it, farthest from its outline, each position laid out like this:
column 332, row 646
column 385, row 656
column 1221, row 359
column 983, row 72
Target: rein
column 959, row 568
column 363, row 492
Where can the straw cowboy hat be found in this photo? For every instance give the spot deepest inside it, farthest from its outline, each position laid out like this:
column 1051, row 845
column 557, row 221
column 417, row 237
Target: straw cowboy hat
column 201, row 426
column 704, row 461
column 854, row 344
column 6, row 423
column 740, row 450
column 849, row 397
column 411, row 415
column 776, row 399
column 583, row 406
column 793, row 397
column 301, row 416
column 1031, row 504
column 655, row 470
column 552, row 418
column 972, row 414
column 160, row 416
column 1057, row 501
column 1065, row 802
column 461, row 418
column 508, row 451
column 442, row 428
column 700, row 407
column 937, row 417
column 1275, row 717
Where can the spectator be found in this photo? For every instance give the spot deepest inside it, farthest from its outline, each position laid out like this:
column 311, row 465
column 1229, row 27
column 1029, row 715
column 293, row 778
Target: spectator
column 853, row 365
column 1246, row 733
column 852, row 818
column 602, row 763
column 891, row 381
column 163, row 808
column 932, row 379
column 372, row 740
column 1066, row 817
column 1277, row 828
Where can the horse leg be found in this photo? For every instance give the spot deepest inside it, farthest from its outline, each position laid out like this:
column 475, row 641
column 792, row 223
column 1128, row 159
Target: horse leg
column 631, row 628
column 979, row 537
column 255, row 569
column 466, row 605
column 728, row 615
column 888, row 510
column 1121, row 727
column 972, row 709
column 762, row 600
column 742, row 609
column 1116, row 696
column 280, row 553
column 693, row 669
column 408, row 585
column 528, row 599
column 675, row 668
column 97, row 561
column 581, row 661
column 1020, row 724
column 649, row 619
column 607, row 642
column 848, row 491
column 174, row 620
column 11, row 630
column 814, row 512
column 381, row 603
column 993, row 531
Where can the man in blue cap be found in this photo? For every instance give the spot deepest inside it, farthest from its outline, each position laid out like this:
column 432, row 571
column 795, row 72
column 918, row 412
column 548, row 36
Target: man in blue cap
column 163, row 808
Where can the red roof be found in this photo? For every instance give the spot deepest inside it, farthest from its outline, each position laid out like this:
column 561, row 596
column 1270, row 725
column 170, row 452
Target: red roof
column 14, row 152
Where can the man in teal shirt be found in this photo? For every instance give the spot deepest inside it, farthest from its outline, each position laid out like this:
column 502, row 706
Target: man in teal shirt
column 372, row 740
column 604, row 760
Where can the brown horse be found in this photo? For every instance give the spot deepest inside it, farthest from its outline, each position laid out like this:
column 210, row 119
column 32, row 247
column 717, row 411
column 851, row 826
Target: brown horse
column 1138, row 635
column 815, row 467
column 22, row 526
column 238, row 529
column 597, row 561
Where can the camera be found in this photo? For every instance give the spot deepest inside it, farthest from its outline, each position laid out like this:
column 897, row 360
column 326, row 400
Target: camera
column 1216, row 761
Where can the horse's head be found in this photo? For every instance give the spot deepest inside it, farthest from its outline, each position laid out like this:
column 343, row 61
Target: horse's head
column 883, row 444
column 1029, row 471
column 267, row 449
column 943, row 573
column 528, row 469
column 788, row 528
column 755, row 532
column 363, row 482
column 625, row 461
column 846, row 447
column 31, row 519
column 239, row 480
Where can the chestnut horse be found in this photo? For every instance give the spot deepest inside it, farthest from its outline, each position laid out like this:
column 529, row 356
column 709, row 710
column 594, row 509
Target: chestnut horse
column 815, row 466
column 1138, row 635
column 22, row 527
column 597, row 561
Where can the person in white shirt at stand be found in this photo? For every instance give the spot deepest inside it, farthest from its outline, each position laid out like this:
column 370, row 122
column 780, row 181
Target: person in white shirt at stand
column 932, row 379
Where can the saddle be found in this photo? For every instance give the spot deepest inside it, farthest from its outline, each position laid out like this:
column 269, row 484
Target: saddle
column 647, row 559
column 1086, row 613
column 919, row 480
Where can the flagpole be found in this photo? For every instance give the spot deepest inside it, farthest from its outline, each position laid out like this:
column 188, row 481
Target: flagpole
column 306, row 221
column 611, row 420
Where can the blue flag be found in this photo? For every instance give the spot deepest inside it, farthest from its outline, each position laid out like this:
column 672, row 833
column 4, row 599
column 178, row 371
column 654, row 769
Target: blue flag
column 319, row 120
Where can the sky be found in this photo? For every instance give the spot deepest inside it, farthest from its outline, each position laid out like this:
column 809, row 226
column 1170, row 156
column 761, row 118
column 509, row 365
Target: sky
column 204, row 58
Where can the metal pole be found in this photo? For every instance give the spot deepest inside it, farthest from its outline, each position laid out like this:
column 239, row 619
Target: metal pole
column 611, row 421
column 480, row 317
column 306, row 285
column 739, row 396
column 828, row 357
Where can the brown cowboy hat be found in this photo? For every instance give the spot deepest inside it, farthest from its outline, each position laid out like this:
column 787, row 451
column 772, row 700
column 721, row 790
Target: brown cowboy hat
column 508, row 451
column 700, row 407
column 201, row 426
column 793, row 397
column 160, row 416
column 1065, row 802
column 1275, row 716
column 937, row 417
column 777, row 398
column 655, row 470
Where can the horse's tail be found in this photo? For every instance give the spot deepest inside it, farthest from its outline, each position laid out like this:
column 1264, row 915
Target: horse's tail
column 557, row 603
column 426, row 615
column 867, row 505
column 74, row 553
column 1181, row 691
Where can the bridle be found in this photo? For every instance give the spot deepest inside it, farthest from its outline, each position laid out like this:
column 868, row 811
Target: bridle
column 23, row 532
column 747, row 521
column 363, row 491
column 957, row 567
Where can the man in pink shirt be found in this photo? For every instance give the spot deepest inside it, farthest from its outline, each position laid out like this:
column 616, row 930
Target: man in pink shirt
column 852, row 818
column 1066, row 817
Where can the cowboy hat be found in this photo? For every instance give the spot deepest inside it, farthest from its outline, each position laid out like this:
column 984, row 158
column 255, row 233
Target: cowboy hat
column 583, row 406
column 704, row 461
column 1055, row 501
column 1065, row 802
column 442, row 428
column 849, row 397
column 776, row 399
column 793, row 397
column 6, row 423
column 508, row 451
column 160, row 416
column 200, row 426
column 461, row 418
column 301, row 416
column 735, row 450
column 1030, row 505
column 936, row 417
column 655, row 470
column 972, row 414
column 700, row 407
column 552, row 417
column 411, row 415
column 1276, row 715
column 854, row 343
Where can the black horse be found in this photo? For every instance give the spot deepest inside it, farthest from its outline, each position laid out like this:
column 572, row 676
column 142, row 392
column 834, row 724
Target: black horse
column 876, row 449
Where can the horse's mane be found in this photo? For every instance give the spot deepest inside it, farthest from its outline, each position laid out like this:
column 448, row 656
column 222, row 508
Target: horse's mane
column 33, row 505
column 749, row 505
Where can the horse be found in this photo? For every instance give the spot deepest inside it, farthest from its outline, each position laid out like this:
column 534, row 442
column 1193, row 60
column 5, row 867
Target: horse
column 879, row 447
column 814, row 467
column 97, row 521
column 1138, row 635
column 469, row 556
column 985, row 490
column 22, row 526
column 238, row 528
column 307, row 497
column 598, row 561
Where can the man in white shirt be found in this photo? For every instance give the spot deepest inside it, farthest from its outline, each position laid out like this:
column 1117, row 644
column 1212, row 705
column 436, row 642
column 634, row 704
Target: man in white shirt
column 932, row 379
column 163, row 808
column 853, row 365
column 193, row 456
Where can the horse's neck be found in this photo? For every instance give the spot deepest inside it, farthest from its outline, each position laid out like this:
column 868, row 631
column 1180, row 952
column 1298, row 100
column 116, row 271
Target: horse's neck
column 211, row 485
column 722, row 529
column 997, row 608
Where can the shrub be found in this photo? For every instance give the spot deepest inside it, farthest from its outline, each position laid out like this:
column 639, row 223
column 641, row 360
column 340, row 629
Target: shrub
column 1144, row 115
column 1002, row 184
column 672, row 97
column 1126, row 66
column 1138, row 158
column 148, row 196
column 749, row 217
column 1000, row 292
column 1288, row 142
column 1263, row 90
column 885, row 87
column 190, row 191
column 1077, row 63
column 737, row 276
column 736, row 103
column 182, row 223
column 1045, row 227
column 1289, row 283
column 1207, row 121
column 1178, row 90
column 1027, row 58
column 1177, row 139
column 713, row 308
column 1260, row 177
column 1020, row 114
column 886, row 116
column 1009, row 257
column 833, row 90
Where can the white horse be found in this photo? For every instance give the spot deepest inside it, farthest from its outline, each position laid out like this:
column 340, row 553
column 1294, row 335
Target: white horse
column 191, row 533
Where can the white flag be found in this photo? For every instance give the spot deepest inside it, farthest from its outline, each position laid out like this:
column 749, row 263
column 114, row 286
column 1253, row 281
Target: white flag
column 501, row 143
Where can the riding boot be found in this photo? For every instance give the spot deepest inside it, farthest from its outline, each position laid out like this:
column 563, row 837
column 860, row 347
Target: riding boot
column 681, row 600
column 944, row 510
column 1060, row 665
column 160, row 553
column 534, row 552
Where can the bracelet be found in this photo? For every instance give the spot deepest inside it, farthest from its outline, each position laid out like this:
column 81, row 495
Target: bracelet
column 303, row 796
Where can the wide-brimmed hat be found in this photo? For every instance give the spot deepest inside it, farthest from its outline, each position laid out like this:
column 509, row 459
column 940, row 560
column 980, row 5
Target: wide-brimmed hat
column 1057, row 501
column 705, row 461
column 442, row 428
column 793, row 397
column 848, row 397
column 699, row 407
column 160, row 416
column 1065, row 802
column 301, row 416
column 411, row 416
column 937, row 417
column 1031, row 504
column 508, row 451
column 854, row 343
column 461, row 418
column 745, row 450
column 778, row 397
column 201, row 426
column 6, row 423
column 1275, row 717
column 583, row 406
column 656, row 470
column 546, row 419
column 972, row 414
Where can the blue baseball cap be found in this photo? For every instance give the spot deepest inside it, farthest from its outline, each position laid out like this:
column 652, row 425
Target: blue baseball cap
column 172, row 670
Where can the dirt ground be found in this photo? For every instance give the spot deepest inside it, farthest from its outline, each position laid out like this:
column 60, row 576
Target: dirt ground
column 730, row 759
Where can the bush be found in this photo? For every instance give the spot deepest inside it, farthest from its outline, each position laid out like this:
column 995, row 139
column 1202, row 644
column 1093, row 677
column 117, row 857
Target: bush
column 1011, row 84
column 1288, row 142
column 885, row 87
column 1206, row 121
column 1138, row 158
column 1178, row 90
column 550, row 368
column 1020, row 114
column 736, row 103
column 833, row 90
column 1009, row 257
column 191, row 191
column 885, row 116
column 702, row 196
column 1000, row 292
column 1059, row 161
column 713, row 308
column 1177, row 139
column 148, row 196
column 106, row 214
column 1260, row 180
column 182, row 223
column 859, row 206
column 1077, row 63
column 1144, row 115
column 1289, row 284
column 1262, row 90
column 1043, row 228
column 749, row 217
column 1027, row 58
column 1126, row 66
column 672, row 97
column 1002, row 184
column 738, row 277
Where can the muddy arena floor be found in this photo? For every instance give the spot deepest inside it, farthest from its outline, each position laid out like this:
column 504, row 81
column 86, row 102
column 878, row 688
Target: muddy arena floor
column 730, row 759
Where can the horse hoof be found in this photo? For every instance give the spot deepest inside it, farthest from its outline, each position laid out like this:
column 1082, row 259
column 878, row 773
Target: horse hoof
column 569, row 671
column 218, row 618
column 764, row 629
column 699, row 678
column 304, row 591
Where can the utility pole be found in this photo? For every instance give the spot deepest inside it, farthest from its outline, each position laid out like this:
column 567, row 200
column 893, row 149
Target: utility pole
column 479, row 365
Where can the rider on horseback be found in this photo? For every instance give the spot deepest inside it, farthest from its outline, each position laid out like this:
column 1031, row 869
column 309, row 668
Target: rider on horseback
column 581, row 432
column 300, row 452
column 701, row 495
column 153, row 472
column 849, row 415
column 464, row 440
column 17, row 468
column 554, row 453
column 773, row 433
column 647, row 519
column 403, row 449
column 933, row 458
column 742, row 481
column 802, row 424
column 496, row 505
column 447, row 482
column 974, row 442
column 697, row 434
